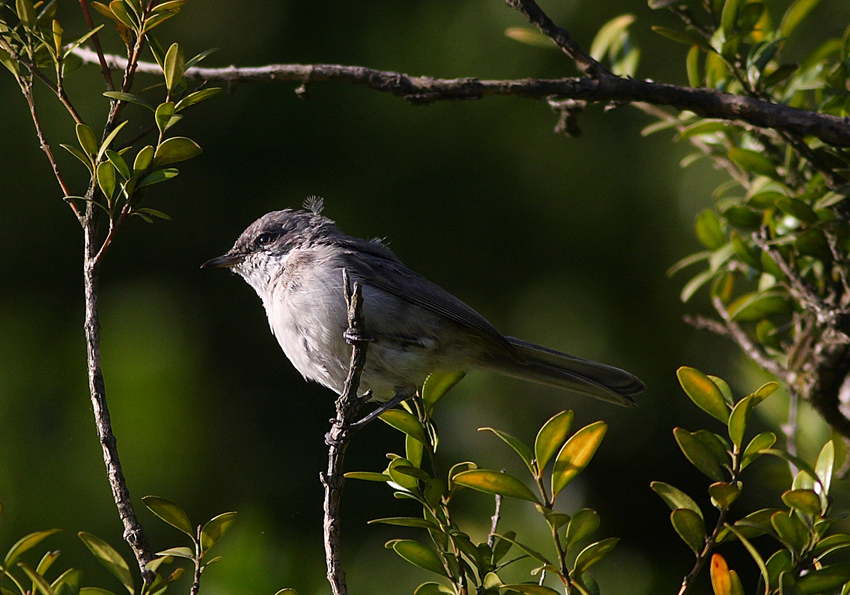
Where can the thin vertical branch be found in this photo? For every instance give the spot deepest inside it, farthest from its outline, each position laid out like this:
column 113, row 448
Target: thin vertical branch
column 347, row 406
column 134, row 534
column 104, row 68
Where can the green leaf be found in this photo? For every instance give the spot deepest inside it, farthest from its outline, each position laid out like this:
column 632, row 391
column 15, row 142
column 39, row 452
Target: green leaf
column 797, row 209
column 729, row 17
column 752, row 161
column 746, row 253
column 702, row 450
column 106, row 178
column 178, row 552
column 432, row 589
column 402, row 521
column 752, row 307
column 723, row 494
column 158, row 176
column 790, row 530
column 743, row 217
column 418, row 555
column 215, row 528
column 405, row 475
column 795, row 15
column 576, row 454
column 704, row 127
column 824, row 580
column 693, row 67
column 367, row 476
column 761, row 442
column 68, row 583
column 703, row 392
column 825, row 465
column 118, row 163
column 495, row 482
column 738, row 420
column 685, row 37
column 406, row 423
column 196, row 97
column 531, row 552
column 806, row 501
column 85, row 136
column 709, row 231
column 153, row 213
column 111, row 559
column 122, row 15
column 173, row 66
column 163, row 115
column 143, row 159
column 26, row 12
column 813, row 242
column 830, row 544
column 674, row 497
column 530, row 36
column 593, row 554
column 26, row 543
column 582, row 524
column 516, row 444
column 128, row 98
column 172, row 150
column 550, row 438
column 690, row 526
column 170, row 513
column 609, row 35
column 694, row 284
column 529, row 589
column 437, row 385
column 196, row 59
column 46, row 562
column 94, row 591
column 38, row 581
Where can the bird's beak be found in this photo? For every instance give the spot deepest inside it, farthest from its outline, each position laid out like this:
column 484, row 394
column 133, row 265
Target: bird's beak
column 228, row 260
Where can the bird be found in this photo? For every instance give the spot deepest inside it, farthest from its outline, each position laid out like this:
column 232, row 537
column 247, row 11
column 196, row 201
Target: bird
column 294, row 260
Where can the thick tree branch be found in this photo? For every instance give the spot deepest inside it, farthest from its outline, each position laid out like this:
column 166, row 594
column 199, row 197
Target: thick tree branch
column 424, row 90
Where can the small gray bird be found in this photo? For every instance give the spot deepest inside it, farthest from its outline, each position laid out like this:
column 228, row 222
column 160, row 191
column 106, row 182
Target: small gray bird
column 294, row 260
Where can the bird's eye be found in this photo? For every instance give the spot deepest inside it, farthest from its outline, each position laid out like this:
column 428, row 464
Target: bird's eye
column 264, row 239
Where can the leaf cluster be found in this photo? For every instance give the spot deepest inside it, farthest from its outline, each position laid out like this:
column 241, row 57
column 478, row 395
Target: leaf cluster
column 69, row 581
column 451, row 552
column 800, row 564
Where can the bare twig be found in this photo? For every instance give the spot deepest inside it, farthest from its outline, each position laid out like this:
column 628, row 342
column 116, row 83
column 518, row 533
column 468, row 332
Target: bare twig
column 584, row 61
column 347, row 406
column 133, row 532
column 26, row 88
column 423, row 90
column 494, row 521
column 104, row 69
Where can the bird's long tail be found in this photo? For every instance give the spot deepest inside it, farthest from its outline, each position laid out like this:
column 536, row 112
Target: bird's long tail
column 561, row 370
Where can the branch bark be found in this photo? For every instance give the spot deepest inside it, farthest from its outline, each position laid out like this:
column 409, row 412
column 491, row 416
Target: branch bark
column 423, row 90
column 134, row 534
column 347, row 407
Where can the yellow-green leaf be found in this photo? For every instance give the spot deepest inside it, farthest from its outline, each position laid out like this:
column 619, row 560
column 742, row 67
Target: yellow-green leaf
column 576, row 454
column 494, row 482
column 550, row 438
column 418, row 555
column 690, row 526
column 703, row 392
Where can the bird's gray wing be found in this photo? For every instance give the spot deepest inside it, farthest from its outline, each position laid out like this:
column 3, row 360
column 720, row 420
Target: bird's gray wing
column 387, row 273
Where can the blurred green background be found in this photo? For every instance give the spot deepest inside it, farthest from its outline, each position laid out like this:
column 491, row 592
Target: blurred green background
column 560, row 241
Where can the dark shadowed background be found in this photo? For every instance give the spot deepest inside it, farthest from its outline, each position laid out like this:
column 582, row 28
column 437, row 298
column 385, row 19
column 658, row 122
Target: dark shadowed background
column 560, row 241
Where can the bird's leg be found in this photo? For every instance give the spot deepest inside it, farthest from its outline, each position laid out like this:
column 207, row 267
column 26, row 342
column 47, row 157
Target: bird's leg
column 400, row 395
